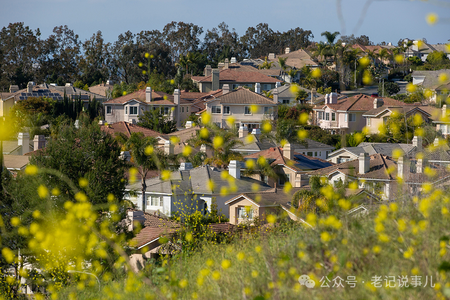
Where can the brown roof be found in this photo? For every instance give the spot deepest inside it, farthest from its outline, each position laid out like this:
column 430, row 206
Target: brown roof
column 275, row 153
column 16, row 162
column 128, row 128
column 199, row 103
column 360, row 103
column 231, row 75
column 158, row 98
column 100, row 89
column 148, row 234
column 245, row 96
column 298, row 59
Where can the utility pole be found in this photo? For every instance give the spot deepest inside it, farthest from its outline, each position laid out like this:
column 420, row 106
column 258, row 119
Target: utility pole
column 355, row 74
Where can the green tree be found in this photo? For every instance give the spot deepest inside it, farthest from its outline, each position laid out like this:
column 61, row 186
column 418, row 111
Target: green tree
column 87, row 153
column 155, row 120
column 330, row 37
column 390, row 88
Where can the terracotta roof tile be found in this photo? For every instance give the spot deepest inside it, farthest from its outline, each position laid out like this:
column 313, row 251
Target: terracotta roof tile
column 245, row 96
column 157, row 98
column 230, row 75
column 128, row 128
column 360, row 103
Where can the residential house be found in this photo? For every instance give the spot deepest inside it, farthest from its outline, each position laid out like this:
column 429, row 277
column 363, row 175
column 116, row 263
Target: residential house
column 244, row 106
column 422, row 49
column 215, row 79
column 255, row 143
column 127, row 129
column 193, row 189
column 443, row 122
column 388, row 149
column 287, row 97
column 380, row 174
column 249, row 207
column 103, row 89
column 347, row 115
column 289, row 166
column 376, row 117
column 56, row 93
column 296, row 59
column 128, row 108
column 433, row 81
column 15, row 163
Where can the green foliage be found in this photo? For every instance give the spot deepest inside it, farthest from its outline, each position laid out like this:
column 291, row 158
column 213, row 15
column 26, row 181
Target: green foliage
column 155, row 120
column 438, row 58
column 84, row 153
column 390, row 88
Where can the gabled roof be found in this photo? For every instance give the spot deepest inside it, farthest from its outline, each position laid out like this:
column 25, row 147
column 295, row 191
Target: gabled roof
column 406, row 108
column 245, row 96
column 127, row 129
column 234, row 76
column 431, row 80
column 380, row 148
column 272, row 197
column 16, row 162
column 300, row 162
column 298, row 59
column 158, row 98
column 194, row 181
column 359, row 102
column 199, row 103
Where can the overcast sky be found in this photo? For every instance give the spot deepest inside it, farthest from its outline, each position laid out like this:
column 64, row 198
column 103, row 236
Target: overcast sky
column 387, row 20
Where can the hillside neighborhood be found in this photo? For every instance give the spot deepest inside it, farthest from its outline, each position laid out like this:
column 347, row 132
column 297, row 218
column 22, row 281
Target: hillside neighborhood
column 132, row 161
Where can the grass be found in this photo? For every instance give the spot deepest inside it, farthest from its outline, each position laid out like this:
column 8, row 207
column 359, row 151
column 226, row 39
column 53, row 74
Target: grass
column 395, row 241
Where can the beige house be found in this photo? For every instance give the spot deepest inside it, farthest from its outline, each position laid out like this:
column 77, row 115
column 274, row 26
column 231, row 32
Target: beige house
column 215, row 79
column 246, row 107
column 289, row 166
column 249, row 207
column 347, row 115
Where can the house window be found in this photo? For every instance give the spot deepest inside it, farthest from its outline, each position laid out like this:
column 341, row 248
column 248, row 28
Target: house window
column 369, row 121
column 226, row 110
column 327, row 116
column 284, row 178
column 187, row 109
column 166, row 110
column 351, row 117
column 182, row 109
column 320, row 115
column 126, row 110
column 216, row 109
column 315, row 154
column 108, row 109
column 245, row 212
column 333, row 117
column 247, row 110
column 345, row 117
column 286, row 101
column 133, row 110
column 310, row 154
column 155, row 201
column 268, row 110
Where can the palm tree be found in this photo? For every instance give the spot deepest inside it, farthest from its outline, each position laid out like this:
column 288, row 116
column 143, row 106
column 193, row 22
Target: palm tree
column 292, row 73
column 321, row 51
column 221, row 141
column 266, row 64
column 330, row 36
column 282, row 63
column 144, row 156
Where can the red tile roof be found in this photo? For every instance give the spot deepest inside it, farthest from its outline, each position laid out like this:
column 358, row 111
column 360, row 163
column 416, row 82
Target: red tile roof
column 360, row 103
column 158, row 98
column 230, row 75
column 128, row 128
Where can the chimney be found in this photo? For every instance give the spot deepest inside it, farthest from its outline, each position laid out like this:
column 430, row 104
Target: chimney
column 168, row 147
column 109, row 82
column 135, row 218
column 333, row 98
column 277, row 84
column 13, row 88
column 419, row 166
column 258, row 88
column 188, row 124
column 30, row 87
column 234, row 169
column 39, row 142
column 256, row 131
column 148, row 94
column 444, row 111
column 417, row 142
column 215, row 80
column 272, row 56
column 243, row 131
column 208, row 70
column 313, row 93
column 176, row 101
column 24, row 141
column 226, row 63
column 400, row 167
column 185, row 166
column 288, row 151
column 287, row 50
column 377, row 103
column 233, row 60
column 225, row 89
column 436, row 142
column 364, row 163
column 275, row 95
